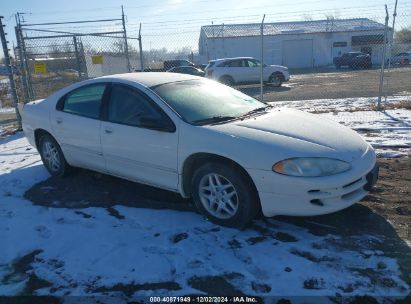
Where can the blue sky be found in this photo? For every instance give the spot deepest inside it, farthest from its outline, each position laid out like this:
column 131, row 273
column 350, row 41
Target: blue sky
column 169, row 22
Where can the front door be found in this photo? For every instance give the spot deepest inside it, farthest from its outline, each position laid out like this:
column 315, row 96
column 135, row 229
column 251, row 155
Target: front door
column 133, row 146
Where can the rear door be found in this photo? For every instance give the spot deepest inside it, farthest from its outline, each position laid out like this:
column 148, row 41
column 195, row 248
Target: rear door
column 237, row 69
column 133, row 148
column 76, row 125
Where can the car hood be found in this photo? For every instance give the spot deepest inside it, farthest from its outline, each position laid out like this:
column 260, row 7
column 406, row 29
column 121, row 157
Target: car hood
column 294, row 133
column 279, row 67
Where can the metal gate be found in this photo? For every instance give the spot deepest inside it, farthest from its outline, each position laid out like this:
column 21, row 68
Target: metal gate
column 51, row 58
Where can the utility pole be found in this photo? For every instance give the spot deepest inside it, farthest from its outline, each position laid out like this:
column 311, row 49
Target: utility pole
column 125, row 40
column 9, row 71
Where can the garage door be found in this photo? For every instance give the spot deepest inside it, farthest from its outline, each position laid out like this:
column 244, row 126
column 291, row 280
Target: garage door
column 298, row 53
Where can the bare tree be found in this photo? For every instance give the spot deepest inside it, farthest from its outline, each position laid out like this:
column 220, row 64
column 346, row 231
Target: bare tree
column 403, row 35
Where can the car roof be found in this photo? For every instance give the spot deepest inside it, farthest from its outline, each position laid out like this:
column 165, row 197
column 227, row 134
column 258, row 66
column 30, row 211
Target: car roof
column 151, row 79
column 232, row 58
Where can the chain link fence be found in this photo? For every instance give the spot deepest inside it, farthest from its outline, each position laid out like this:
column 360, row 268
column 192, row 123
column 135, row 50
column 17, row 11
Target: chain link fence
column 341, row 62
column 335, row 63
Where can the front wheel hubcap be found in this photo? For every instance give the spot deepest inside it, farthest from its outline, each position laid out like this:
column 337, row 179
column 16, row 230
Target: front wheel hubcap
column 275, row 81
column 51, row 156
column 218, row 196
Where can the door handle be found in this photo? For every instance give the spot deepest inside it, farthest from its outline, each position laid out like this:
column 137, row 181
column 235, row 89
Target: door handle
column 59, row 120
column 108, row 130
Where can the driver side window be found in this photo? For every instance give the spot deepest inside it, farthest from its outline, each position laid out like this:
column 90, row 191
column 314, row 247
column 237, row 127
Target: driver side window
column 127, row 106
column 253, row 63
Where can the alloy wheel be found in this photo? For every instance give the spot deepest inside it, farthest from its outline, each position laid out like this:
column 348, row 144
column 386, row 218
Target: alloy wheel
column 218, row 196
column 51, row 156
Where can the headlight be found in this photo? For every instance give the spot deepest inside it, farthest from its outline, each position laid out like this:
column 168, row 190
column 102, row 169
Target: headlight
column 311, row 166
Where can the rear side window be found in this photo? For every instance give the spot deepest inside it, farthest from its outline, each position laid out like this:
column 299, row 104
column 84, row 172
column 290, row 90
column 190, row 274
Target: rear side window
column 236, row 63
column 85, row 101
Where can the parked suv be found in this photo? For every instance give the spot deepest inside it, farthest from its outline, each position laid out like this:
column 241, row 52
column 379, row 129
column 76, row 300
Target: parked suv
column 354, row 60
column 241, row 70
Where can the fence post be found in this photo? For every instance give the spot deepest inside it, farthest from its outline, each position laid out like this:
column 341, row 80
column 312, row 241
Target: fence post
column 262, row 60
column 140, row 46
column 394, row 15
column 383, row 59
column 125, row 40
column 24, row 83
column 77, row 56
column 9, row 71
column 83, row 59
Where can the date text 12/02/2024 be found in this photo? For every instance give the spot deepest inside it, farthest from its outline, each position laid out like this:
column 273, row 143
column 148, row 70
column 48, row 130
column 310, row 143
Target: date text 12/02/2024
column 204, row 299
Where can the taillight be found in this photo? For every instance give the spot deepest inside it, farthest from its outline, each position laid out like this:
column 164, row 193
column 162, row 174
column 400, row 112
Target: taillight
column 209, row 73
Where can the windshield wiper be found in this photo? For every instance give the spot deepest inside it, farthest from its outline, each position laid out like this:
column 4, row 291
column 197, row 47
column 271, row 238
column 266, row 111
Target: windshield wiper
column 214, row 119
column 258, row 110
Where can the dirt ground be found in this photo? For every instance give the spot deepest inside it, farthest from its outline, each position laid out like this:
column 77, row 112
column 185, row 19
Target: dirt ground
column 331, row 84
column 392, row 196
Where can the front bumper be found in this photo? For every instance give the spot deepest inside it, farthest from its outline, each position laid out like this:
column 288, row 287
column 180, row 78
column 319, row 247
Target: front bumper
column 307, row 196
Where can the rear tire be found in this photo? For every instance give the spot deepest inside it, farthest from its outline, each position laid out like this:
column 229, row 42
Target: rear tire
column 224, row 195
column 52, row 156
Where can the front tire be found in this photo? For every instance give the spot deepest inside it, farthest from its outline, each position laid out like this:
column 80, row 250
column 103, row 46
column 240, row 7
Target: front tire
column 276, row 80
column 52, row 156
column 224, row 195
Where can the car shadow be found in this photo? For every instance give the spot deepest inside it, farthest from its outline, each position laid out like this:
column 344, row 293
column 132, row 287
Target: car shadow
column 83, row 189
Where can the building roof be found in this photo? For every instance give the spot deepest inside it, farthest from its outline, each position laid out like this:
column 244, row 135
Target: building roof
column 295, row 27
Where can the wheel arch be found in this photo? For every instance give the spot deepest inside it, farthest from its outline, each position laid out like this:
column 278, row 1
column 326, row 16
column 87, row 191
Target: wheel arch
column 196, row 160
column 277, row 73
column 38, row 133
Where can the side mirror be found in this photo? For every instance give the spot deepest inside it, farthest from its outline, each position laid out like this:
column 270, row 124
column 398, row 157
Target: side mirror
column 164, row 125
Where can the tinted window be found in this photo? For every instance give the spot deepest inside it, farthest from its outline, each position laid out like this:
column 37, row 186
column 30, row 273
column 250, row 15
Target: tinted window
column 127, row 106
column 236, row 63
column 85, row 101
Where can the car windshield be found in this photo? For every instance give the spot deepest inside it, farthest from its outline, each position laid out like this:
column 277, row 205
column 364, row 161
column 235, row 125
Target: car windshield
column 202, row 102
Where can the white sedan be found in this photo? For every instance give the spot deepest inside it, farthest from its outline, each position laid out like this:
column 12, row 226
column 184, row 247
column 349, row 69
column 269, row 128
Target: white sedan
column 235, row 156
